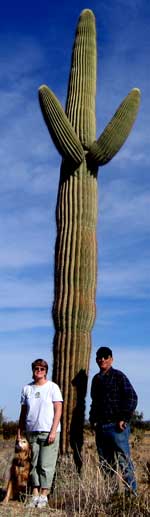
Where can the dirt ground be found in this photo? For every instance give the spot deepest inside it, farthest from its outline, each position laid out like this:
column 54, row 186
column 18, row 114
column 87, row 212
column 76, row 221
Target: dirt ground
column 140, row 454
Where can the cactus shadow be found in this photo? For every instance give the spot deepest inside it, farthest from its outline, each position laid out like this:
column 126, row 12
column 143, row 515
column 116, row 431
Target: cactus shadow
column 77, row 423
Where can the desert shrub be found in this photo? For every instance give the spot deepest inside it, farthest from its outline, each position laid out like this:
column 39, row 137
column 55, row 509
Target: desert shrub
column 9, row 429
column 90, row 495
column 1, row 421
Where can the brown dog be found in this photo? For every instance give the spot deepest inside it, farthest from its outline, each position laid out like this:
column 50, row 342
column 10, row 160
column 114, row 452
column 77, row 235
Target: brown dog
column 20, row 470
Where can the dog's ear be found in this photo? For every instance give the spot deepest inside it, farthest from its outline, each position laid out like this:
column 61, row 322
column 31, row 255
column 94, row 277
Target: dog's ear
column 17, row 447
column 26, row 454
column 29, row 452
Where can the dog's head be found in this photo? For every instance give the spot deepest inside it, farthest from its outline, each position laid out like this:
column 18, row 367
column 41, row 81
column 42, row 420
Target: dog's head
column 22, row 445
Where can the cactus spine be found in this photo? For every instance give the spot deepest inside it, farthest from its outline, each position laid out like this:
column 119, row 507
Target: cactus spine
column 74, row 134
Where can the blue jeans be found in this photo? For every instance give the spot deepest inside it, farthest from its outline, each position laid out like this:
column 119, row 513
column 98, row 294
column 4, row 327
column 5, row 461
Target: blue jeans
column 113, row 444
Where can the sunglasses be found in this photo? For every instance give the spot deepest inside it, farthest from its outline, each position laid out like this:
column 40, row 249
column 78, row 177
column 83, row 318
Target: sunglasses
column 104, row 356
column 39, row 369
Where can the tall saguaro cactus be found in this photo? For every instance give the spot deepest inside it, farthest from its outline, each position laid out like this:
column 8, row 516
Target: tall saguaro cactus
column 74, row 134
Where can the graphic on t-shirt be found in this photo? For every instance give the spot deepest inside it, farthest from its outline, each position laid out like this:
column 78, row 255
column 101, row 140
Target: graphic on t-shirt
column 37, row 395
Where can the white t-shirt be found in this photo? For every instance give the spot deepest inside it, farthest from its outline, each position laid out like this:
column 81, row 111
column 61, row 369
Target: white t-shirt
column 40, row 408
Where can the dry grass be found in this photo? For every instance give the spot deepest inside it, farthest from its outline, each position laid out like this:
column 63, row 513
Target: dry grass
column 88, row 495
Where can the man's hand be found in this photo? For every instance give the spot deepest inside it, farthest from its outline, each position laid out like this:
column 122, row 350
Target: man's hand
column 122, row 425
column 93, row 426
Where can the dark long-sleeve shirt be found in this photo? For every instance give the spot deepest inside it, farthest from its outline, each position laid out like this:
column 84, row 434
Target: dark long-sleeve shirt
column 113, row 397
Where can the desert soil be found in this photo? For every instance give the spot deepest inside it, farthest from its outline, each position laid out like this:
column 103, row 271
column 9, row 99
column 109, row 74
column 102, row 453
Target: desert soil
column 140, row 454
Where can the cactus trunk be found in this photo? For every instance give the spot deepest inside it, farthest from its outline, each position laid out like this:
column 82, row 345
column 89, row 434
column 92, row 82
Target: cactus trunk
column 75, row 260
column 75, row 283
column 74, row 133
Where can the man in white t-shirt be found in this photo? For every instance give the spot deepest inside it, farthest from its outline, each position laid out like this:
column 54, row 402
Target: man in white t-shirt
column 41, row 409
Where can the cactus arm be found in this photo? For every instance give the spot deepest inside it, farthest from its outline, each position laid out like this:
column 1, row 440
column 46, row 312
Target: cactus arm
column 60, row 128
column 116, row 132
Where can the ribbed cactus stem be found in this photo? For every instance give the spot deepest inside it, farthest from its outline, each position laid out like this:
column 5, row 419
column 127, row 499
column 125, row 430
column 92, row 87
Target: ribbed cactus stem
column 118, row 129
column 74, row 134
column 60, row 129
column 80, row 105
column 74, row 305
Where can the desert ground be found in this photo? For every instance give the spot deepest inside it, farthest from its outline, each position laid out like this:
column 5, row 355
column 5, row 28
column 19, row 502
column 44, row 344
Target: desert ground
column 87, row 494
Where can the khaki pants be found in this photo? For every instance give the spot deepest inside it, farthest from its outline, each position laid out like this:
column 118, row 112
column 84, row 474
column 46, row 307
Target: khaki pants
column 43, row 460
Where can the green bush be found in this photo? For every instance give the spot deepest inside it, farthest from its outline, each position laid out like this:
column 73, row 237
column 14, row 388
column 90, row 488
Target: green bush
column 9, row 429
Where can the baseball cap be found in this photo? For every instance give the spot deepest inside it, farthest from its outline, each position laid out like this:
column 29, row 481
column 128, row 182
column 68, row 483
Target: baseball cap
column 103, row 351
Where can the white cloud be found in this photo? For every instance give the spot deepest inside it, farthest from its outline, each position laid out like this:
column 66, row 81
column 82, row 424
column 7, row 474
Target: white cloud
column 27, row 237
column 126, row 280
column 27, row 155
column 21, row 60
column 124, row 206
column 24, row 292
column 16, row 320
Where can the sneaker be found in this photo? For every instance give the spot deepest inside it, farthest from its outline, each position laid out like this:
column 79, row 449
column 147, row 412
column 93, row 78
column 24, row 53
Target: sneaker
column 42, row 501
column 34, row 501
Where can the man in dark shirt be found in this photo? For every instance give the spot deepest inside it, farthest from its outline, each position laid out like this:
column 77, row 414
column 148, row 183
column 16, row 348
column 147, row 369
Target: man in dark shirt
column 113, row 403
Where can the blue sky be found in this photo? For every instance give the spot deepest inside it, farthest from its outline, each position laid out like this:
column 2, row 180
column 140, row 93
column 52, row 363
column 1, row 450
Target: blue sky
column 35, row 47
